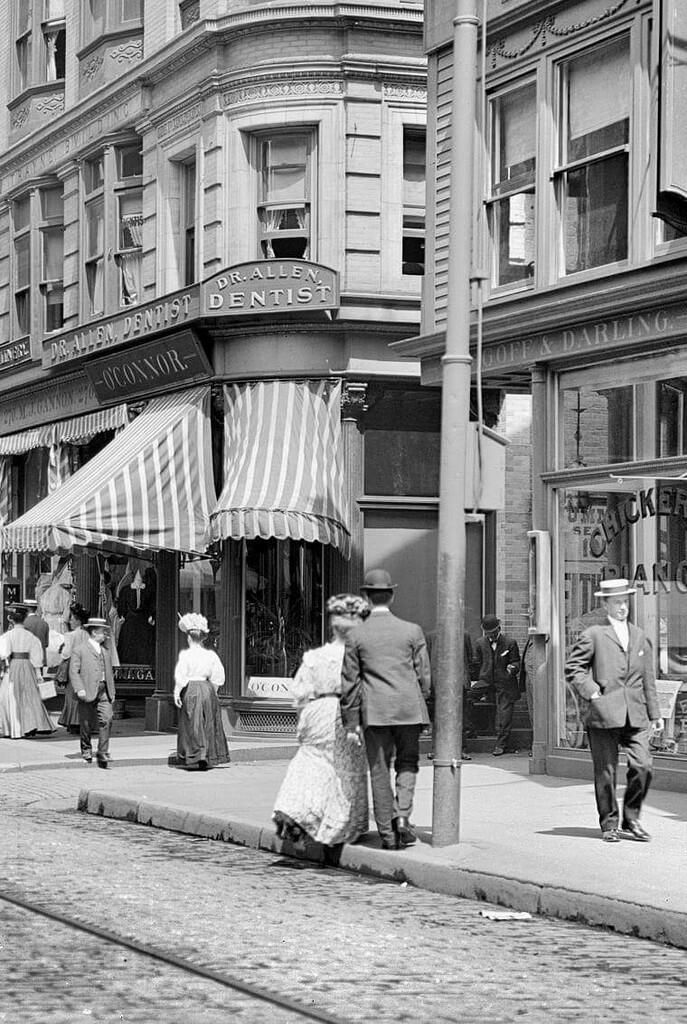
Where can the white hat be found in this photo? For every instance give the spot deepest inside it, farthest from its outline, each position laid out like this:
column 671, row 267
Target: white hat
column 614, row 588
column 192, row 622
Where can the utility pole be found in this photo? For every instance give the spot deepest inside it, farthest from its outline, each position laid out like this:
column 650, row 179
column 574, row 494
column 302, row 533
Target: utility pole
column 455, row 412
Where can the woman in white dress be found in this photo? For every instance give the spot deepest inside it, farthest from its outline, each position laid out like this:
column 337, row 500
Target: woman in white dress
column 324, row 792
column 22, row 712
column 198, row 675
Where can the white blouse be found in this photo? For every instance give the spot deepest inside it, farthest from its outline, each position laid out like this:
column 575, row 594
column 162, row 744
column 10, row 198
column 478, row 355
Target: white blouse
column 197, row 663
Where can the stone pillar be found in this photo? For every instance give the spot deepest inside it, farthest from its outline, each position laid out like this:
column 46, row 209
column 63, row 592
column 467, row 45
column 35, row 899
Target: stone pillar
column 160, row 711
column 347, row 576
column 541, row 647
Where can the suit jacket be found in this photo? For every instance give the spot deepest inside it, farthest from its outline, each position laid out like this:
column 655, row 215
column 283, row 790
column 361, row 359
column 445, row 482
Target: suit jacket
column 597, row 662
column 86, row 670
column 37, row 625
column 386, row 675
column 490, row 667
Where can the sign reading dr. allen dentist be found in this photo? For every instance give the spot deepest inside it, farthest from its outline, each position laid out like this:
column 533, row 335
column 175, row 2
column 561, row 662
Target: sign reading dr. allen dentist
column 270, row 286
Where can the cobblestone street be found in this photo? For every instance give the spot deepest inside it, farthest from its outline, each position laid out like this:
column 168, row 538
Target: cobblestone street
column 356, row 947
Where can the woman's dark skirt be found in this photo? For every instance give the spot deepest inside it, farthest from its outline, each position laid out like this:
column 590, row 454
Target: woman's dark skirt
column 201, row 741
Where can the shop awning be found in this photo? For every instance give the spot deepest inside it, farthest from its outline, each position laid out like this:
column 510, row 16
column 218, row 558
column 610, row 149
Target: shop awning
column 70, row 431
column 283, row 463
column 150, row 488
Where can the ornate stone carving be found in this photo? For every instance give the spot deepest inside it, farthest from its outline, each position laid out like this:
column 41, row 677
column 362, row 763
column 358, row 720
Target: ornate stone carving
column 50, row 105
column 278, row 90
column 127, row 52
column 353, row 400
column 190, row 13
column 21, row 116
column 91, row 69
column 406, row 92
column 550, row 26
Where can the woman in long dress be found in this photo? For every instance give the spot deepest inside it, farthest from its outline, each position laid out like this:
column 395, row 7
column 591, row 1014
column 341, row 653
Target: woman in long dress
column 22, row 712
column 324, row 792
column 198, row 675
column 69, row 716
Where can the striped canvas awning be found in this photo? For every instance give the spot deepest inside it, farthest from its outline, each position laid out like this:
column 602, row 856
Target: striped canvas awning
column 64, row 431
column 150, row 488
column 283, row 463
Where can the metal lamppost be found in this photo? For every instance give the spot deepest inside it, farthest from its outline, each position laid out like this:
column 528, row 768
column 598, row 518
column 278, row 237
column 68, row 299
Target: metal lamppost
column 455, row 411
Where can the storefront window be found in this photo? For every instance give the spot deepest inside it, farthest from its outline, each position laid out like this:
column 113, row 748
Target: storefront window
column 598, row 426
column 199, row 591
column 283, row 611
column 402, row 462
column 671, row 428
column 637, row 533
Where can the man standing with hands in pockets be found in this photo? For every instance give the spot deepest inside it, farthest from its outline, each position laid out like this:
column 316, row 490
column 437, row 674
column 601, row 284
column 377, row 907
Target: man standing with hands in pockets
column 611, row 666
column 92, row 678
column 385, row 682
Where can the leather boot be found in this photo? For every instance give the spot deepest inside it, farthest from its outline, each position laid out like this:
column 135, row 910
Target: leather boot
column 404, row 831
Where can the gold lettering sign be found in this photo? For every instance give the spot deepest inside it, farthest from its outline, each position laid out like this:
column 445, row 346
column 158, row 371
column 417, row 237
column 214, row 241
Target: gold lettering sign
column 270, row 286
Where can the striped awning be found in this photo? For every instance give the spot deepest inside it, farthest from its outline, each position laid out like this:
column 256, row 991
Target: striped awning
column 150, row 488
column 283, row 463
column 69, row 431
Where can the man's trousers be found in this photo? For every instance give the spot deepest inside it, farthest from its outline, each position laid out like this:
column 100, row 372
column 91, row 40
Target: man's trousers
column 383, row 743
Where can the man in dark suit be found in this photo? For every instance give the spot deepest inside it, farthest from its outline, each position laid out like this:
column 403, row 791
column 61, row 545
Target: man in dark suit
column 385, row 681
column 495, row 666
column 36, row 624
column 92, row 679
column 611, row 666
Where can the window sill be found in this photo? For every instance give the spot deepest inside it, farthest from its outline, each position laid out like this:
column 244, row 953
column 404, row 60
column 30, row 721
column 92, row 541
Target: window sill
column 112, row 35
column 36, row 90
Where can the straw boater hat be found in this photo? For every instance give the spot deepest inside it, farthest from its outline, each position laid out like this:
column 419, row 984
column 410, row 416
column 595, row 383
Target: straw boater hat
column 97, row 624
column 614, row 588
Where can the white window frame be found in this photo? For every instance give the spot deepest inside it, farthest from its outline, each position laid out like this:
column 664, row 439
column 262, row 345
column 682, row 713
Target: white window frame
column 397, row 121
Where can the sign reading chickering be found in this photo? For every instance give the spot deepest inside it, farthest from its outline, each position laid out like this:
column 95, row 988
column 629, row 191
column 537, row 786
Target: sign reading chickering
column 270, row 286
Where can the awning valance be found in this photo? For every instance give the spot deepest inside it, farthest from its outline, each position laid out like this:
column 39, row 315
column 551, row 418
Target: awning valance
column 64, row 431
column 150, row 488
column 283, row 463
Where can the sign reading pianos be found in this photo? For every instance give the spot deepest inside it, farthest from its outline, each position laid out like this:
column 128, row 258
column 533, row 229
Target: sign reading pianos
column 270, row 286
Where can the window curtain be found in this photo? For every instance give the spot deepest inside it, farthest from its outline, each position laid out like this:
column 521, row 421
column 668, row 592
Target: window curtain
column 63, row 460
column 270, row 223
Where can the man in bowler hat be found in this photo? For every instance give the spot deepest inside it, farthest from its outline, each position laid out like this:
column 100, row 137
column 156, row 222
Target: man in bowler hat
column 611, row 666
column 495, row 666
column 385, row 681
column 92, row 679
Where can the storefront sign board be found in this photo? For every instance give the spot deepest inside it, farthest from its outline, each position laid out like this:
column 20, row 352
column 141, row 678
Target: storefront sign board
column 274, row 687
column 270, row 286
column 142, row 369
column 163, row 314
column 14, row 353
column 46, row 404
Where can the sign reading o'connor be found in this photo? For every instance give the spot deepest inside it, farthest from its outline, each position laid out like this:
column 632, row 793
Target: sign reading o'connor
column 270, row 286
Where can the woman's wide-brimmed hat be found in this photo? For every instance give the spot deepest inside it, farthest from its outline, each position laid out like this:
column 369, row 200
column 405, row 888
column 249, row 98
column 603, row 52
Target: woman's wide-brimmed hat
column 192, row 622
column 97, row 624
column 614, row 588
column 378, row 579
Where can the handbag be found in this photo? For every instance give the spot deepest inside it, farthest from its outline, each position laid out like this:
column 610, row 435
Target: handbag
column 46, row 688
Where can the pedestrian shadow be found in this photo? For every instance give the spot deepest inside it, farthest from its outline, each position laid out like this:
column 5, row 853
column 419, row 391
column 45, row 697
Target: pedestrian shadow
column 574, row 833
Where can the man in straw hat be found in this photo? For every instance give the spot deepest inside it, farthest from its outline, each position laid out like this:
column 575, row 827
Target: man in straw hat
column 385, row 681
column 92, row 679
column 611, row 666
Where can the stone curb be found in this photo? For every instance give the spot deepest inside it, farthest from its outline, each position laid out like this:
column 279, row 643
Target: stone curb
column 408, row 867
column 238, row 756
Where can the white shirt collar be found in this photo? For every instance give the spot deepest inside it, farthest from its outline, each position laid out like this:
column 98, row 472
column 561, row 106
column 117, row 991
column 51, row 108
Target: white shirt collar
column 379, row 609
column 622, row 631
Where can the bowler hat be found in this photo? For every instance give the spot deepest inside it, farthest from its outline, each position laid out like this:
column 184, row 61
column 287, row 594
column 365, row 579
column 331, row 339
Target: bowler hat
column 378, row 579
column 490, row 622
column 97, row 624
column 614, row 588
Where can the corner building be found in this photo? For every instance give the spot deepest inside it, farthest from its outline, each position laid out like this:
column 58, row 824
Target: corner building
column 580, row 231
column 211, row 228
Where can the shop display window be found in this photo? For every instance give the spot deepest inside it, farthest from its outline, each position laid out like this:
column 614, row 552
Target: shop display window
column 283, row 593
column 598, row 425
column 200, row 588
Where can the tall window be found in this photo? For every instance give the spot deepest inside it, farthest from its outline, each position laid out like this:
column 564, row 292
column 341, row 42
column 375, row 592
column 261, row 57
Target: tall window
column 284, row 208
column 414, row 163
column 52, row 257
column 188, row 220
column 23, row 43
column 21, row 223
column 592, row 176
column 511, row 201
column 113, row 222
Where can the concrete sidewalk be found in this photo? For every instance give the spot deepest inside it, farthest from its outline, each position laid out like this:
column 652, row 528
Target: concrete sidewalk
column 527, row 842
